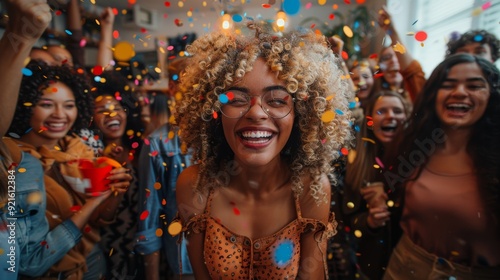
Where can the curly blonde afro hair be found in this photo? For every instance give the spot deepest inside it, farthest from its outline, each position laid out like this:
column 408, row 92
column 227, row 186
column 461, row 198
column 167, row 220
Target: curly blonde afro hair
column 311, row 73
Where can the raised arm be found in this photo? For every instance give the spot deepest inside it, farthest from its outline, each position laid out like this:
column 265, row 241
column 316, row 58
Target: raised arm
column 27, row 21
column 385, row 22
column 105, row 53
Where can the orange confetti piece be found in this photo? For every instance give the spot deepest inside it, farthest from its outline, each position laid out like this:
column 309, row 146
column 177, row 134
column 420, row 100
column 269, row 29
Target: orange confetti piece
column 157, row 185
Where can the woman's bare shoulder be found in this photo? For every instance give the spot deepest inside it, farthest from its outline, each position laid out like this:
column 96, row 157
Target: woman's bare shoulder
column 189, row 200
column 319, row 207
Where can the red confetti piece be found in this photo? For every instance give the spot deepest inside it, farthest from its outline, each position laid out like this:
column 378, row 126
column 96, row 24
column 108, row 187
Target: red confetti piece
column 97, row 70
column 344, row 151
column 115, row 11
column 75, row 208
column 144, row 30
column 373, row 56
column 215, row 115
column 313, row 25
column 135, row 145
column 345, row 56
column 116, row 34
column 58, row 12
column 146, row 141
column 154, row 153
column 236, row 211
column 360, row 2
column 167, row 4
column 331, row 16
column 266, row 6
column 164, row 202
column 347, row 2
column 420, row 36
column 87, row 229
column 83, row 42
column 144, row 214
column 378, row 75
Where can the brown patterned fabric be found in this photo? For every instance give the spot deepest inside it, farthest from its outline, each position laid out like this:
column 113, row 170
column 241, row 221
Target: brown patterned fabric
column 232, row 256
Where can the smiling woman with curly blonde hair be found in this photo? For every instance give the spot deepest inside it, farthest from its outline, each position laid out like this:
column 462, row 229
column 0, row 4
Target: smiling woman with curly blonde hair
column 269, row 160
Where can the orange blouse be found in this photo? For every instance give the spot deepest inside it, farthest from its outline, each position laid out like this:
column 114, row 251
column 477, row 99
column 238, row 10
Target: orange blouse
column 232, row 256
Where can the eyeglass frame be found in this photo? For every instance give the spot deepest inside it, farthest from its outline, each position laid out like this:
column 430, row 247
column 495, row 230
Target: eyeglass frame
column 250, row 104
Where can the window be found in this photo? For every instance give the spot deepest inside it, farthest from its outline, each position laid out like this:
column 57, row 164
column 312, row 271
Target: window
column 439, row 19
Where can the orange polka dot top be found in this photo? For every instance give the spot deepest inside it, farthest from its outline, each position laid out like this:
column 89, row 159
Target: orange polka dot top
column 232, row 256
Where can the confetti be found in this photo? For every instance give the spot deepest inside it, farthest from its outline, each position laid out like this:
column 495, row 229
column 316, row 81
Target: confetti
column 283, row 253
column 27, row 72
column 328, row 116
column 144, row 215
column 291, row 7
column 421, row 36
column 157, row 185
column 399, row 48
column 174, row 228
column 236, row 211
column 348, row 31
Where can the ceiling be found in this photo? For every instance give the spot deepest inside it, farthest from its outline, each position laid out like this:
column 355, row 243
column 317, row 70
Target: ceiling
column 196, row 5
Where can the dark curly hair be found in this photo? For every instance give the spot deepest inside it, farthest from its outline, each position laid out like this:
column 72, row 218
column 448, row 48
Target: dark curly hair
column 115, row 83
column 32, row 87
column 479, row 36
column 482, row 147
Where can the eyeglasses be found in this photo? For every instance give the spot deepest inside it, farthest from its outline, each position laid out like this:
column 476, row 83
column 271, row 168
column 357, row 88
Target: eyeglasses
column 277, row 104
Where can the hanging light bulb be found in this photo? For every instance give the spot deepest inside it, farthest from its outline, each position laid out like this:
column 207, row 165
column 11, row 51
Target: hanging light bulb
column 281, row 20
column 226, row 22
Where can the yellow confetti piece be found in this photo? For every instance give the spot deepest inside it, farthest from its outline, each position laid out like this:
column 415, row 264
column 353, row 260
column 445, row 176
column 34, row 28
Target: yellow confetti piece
column 171, row 135
column 159, row 232
column 351, row 156
column 111, row 251
column 399, row 48
column 21, row 170
column 455, row 253
column 330, row 97
column 1, row 251
column 130, row 132
column 99, row 98
column 34, row 198
column 390, row 203
column 368, row 140
column 174, row 228
column 358, row 233
column 157, row 185
column 28, row 104
column 328, row 116
column 348, row 31
column 350, row 205
column 113, row 114
column 387, row 22
column 57, row 148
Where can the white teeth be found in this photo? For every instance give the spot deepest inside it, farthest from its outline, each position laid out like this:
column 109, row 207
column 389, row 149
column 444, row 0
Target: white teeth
column 56, row 125
column 256, row 134
column 113, row 122
column 458, row 106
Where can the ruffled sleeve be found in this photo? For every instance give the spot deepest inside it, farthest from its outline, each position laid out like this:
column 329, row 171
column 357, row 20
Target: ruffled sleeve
column 320, row 229
column 195, row 224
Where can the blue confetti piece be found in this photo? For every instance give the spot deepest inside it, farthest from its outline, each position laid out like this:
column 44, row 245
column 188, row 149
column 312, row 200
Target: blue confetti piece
column 478, row 38
column 414, row 22
column 283, row 253
column 356, row 128
column 27, row 72
column 356, row 25
column 352, row 105
column 291, row 7
column 29, row 129
column 339, row 112
column 97, row 78
column 223, row 98
column 175, row 77
column 357, row 48
column 237, row 18
column 68, row 32
column 190, row 19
